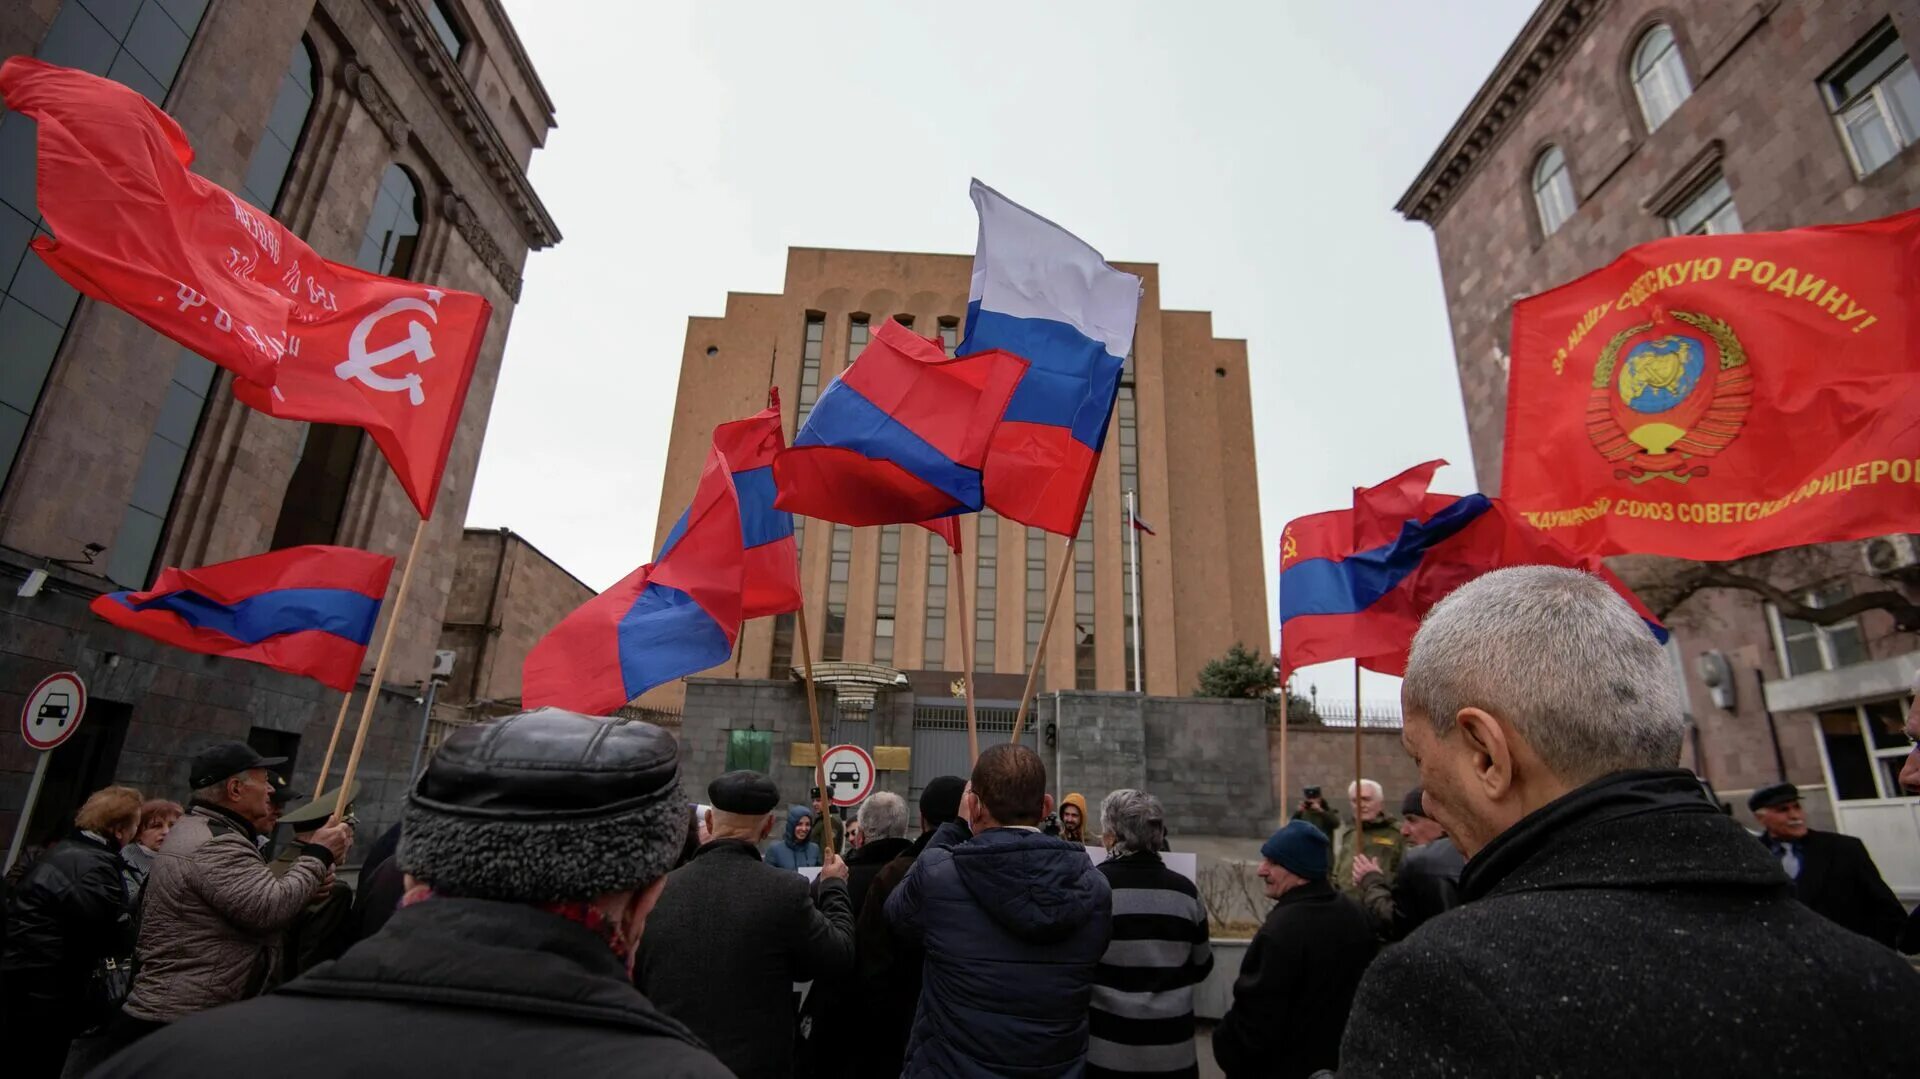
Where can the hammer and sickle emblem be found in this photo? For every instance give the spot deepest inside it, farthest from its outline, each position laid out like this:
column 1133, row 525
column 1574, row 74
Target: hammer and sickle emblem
column 363, row 365
column 1288, row 549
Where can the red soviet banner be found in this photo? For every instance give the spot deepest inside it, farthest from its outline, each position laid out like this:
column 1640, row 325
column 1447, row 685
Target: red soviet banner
column 312, row 339
column 1713, row 397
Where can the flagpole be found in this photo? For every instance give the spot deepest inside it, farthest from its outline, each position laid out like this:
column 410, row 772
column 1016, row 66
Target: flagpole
column 1357, row 792
column 379, row 672
column 1133, row 538
column 1286, row 792
column 966, row 653
column 326, row 762
column 1046, row 631
column 825, row 823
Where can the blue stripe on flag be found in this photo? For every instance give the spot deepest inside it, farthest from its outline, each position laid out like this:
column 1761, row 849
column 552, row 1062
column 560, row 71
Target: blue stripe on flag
column 760, row 523
column 1351, row 585
column 666, row 635
column 845, row 419
column 1071, row 380
column 270, row 614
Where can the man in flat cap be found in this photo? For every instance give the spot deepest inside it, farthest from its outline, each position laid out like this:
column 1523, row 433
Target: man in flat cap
column 534, row 847
column 325, row 927
column 1832, row 873
column 731, row 934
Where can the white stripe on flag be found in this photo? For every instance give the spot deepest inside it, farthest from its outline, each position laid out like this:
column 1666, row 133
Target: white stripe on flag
column 1029, row 267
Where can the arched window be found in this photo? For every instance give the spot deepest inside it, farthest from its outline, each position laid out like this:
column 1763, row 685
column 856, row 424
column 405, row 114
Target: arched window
column 1552, row 190
column 273, row 155
column 1659, row 75
column 386, row 247
column 316, row 498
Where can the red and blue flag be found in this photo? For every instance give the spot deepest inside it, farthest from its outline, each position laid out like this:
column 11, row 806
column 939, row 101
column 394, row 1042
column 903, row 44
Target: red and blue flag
column 304, row 610
column 771, row 581
column 672, row 617
column 900, row 436
column 1045, row 295
column 1354, row 584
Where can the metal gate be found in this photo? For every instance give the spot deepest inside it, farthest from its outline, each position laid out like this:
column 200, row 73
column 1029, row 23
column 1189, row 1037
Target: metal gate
column 940, row 737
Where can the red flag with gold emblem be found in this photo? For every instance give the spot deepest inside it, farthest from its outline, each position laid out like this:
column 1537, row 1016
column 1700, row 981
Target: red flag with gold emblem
column 1712, row 397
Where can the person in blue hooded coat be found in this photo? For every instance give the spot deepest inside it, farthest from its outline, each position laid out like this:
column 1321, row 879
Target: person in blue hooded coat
column 797, row 850
column 1014, row 923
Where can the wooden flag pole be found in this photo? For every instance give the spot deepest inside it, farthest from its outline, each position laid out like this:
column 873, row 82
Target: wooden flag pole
column 966, row 655
column 379, row 671
column 1286, row 792
column 825, row 823
column 1046, row 631
column 326, row 762
column 1357, row 792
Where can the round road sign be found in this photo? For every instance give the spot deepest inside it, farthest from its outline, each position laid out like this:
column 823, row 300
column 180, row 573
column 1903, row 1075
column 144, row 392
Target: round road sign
column 850, row 775
column 53, row 710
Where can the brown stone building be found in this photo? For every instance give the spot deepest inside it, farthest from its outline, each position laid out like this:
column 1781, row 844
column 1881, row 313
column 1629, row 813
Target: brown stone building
column 506, row 596
column 1182, row 436
column 1607, row 124
column 391, row 134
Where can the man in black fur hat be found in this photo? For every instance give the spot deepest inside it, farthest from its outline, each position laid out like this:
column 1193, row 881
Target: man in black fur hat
column 534, row 848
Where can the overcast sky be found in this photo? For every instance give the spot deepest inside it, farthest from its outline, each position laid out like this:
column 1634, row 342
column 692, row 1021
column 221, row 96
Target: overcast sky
column 1253, row 150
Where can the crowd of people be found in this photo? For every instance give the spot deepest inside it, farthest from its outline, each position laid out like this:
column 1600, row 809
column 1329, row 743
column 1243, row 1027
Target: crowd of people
column 1556, row 897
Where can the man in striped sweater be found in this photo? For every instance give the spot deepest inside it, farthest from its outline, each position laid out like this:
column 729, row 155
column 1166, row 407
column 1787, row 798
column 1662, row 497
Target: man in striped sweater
column 1141, row 1019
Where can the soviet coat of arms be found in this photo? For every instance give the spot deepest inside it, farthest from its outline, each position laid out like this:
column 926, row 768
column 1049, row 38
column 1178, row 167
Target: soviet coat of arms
column 1668, row 394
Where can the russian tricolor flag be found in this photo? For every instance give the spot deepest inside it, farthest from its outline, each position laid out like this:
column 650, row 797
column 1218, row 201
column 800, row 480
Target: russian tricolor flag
column 900, row 436
column 304, row 610
column 670, row 618
column 1354, row 584
column 1043, row 294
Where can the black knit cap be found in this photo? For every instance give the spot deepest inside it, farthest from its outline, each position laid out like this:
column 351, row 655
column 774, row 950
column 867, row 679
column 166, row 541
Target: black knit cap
column 940, row 800
column 546, row 805
column 1412, row 805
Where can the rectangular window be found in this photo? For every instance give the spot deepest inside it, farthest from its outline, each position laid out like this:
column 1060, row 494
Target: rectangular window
column 986, row 589
column 858, row 335
column 1036, row 590
column 1865, row 748
column 445, row 28
column 936, row 646
column 1085, row 669
column 833, row 645
column 949, row 336
column 810, row 368
column 886, row 594
column 1709, row 212
column 750, row 750
column 1127, row 413
column 1805, row 648
column 780, row 664
column 1874, row 96
column 138, row 43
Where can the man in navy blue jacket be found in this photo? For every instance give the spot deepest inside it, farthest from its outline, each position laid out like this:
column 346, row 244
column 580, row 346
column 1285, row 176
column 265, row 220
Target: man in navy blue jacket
column 1014, row 923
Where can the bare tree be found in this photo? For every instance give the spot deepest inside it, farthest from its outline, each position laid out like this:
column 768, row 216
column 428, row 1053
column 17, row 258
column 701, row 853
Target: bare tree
column 1665, row 584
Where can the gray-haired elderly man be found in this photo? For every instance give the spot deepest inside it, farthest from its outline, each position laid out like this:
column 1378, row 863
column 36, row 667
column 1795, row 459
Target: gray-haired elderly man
column 883, row 831
column 1615, row 923
column 1141, row 1018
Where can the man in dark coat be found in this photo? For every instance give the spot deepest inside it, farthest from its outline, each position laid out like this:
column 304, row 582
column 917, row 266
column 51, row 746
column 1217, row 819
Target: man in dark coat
column 325, row 929
column 889, row 965
column 1014, row 923
column 883, row 837
column 1832, row 873
column 534, row 847
column 1614, row 922
column 1428, row 883
column 1299, row 974
column 732, row 934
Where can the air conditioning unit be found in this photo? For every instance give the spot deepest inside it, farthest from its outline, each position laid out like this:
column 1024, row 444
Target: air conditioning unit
column 443, row 664
column 1891, row 556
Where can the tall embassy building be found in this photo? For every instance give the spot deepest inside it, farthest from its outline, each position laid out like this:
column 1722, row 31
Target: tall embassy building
column 1181, row 437
column 1612, row 122
column 393, row 135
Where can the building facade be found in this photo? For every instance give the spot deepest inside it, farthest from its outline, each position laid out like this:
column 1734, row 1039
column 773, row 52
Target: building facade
column 506, row 596
column 391, row 134
column 1612, row 122
column 1181, row 437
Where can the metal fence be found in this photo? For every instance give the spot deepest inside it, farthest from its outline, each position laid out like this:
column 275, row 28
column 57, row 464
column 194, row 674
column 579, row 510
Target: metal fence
column 940, row 739
column 1381, row 716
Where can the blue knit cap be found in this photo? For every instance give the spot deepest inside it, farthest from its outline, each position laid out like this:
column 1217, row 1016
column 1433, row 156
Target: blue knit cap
column 1299, row 848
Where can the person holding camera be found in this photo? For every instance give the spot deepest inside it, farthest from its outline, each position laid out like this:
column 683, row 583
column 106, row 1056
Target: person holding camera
column 1313, row 809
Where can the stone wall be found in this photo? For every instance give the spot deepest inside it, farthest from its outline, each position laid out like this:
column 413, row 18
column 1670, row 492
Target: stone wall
column 1323, row 757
